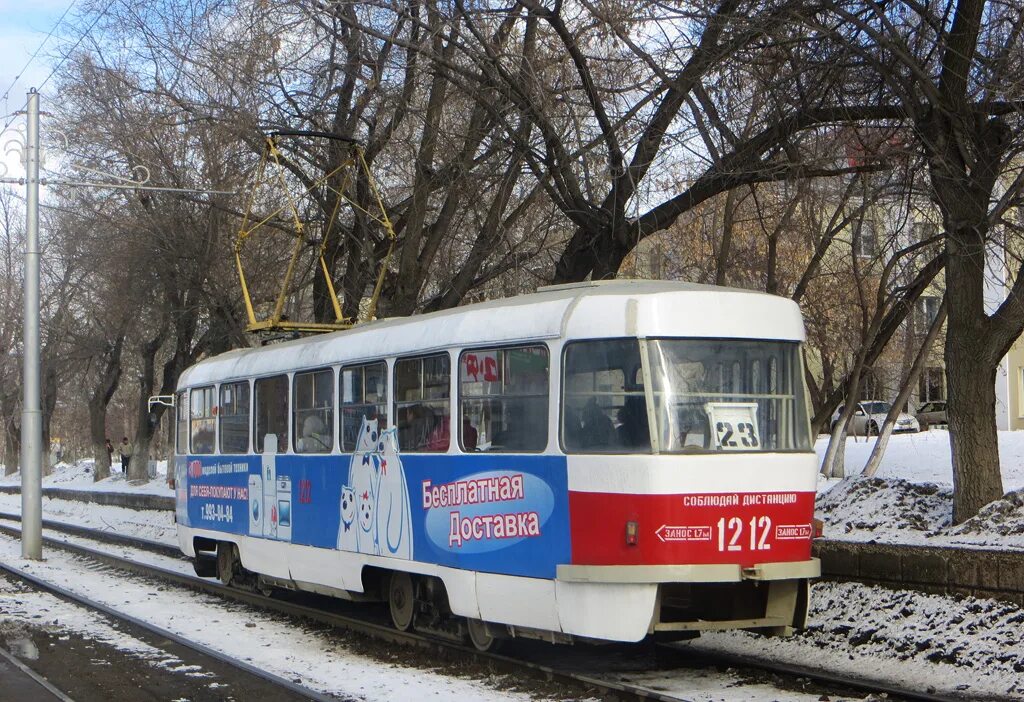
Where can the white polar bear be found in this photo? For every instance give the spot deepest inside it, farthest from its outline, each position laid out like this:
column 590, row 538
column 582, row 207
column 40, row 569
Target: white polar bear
column 363, row 480
column 363, row 476
column 394, row 518
column 347, row 531
column 366, row 441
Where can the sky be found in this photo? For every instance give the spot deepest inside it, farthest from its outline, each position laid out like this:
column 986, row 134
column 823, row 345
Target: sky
column 23, row 26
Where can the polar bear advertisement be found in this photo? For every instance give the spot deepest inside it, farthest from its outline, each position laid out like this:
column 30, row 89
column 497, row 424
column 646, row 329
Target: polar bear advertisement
column 394, row 517
column 376, row 513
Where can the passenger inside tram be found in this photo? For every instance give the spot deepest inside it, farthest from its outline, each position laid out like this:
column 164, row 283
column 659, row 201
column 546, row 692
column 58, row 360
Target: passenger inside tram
column 634, row 430
column 315, row 438
column 598, row 430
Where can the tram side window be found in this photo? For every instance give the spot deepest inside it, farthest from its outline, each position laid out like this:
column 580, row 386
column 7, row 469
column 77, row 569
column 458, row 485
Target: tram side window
column 181, row 436
column 313, row 411
column 422, row 410
column 364, row 395
column 603, row 404
column 504, row 396
column 234, row 417
column 272, row 411
column 204, row 420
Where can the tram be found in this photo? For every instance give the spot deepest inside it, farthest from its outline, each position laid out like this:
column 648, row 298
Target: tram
column 597, row 461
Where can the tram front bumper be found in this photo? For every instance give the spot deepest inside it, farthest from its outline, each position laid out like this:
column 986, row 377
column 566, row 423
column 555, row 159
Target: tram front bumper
column 693, row 573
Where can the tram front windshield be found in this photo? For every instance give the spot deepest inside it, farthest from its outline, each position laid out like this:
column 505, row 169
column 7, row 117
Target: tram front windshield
column 706, row 395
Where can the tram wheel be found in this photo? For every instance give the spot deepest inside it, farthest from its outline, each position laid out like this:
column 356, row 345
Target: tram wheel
column 226, row 560
column 401, row 600
column 480, row 635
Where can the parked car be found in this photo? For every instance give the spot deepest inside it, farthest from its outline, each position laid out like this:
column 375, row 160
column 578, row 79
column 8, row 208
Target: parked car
column 932, row 413
column 869, row 416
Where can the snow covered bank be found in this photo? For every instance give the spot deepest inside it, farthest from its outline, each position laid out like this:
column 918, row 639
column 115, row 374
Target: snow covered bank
column 79, row 476
column 910, row 499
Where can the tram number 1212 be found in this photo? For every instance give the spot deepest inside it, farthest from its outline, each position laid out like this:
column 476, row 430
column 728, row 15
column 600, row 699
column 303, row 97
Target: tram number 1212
column 730, row 533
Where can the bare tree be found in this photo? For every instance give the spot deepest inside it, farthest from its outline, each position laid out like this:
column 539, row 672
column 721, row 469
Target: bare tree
column 955, row 71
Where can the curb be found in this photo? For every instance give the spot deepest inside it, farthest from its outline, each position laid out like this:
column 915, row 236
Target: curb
column 130, row 500
column 937, row 570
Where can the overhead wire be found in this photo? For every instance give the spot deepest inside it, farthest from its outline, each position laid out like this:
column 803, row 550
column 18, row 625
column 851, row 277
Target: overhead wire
column 60, row 63
column 19, row 74
column 78, row 43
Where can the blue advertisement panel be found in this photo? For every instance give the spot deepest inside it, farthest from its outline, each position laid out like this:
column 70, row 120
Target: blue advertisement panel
column 496, row 513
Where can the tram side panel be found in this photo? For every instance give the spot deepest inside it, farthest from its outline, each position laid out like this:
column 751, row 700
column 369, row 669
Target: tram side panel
column 493, row 527
column 510, row 522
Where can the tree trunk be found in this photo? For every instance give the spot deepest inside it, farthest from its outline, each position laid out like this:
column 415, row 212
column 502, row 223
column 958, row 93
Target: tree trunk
column 49, row 404
column 13, row 445
column 972, row 356
column 725, row 244
column 970, row 381
column 98, row 436
column 12, row 429
column 99, row 399
column 148, row 421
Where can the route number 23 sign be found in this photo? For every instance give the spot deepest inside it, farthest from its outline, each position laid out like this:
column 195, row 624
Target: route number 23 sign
column 734, row 425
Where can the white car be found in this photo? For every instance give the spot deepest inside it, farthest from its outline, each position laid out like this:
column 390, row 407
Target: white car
column 932, row 413
column 869, row 416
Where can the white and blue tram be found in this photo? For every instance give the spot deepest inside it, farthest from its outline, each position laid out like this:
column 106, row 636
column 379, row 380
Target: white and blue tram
column 603, row 461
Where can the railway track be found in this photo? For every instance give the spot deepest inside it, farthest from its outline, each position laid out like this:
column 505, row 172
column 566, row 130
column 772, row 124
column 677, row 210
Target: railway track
column 522, row 664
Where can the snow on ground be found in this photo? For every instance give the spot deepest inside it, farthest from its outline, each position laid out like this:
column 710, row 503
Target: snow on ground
column 925, row 457
column 155, row 525
column 55, row 615
column 320, row 660
column 922, row 642
column 79, row 476
column 910, row 498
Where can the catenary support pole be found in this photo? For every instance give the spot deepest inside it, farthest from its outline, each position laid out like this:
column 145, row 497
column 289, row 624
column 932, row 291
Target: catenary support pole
column 31, row 413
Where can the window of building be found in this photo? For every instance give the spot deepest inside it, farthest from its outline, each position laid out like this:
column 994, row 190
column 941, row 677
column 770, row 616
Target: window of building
column 234, row 417
column 866, row 242
column 313, row 411
column 364, row 395
column 603, row 404
column 931, row 385
column 422, row 410
column 1020, row 392
column 927, row 311
column 504, row 399
column 203, row 419
column 272, row 412
column 181, row 437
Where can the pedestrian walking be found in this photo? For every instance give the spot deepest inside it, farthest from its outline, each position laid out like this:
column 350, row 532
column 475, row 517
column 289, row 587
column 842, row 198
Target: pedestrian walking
column 126, row 453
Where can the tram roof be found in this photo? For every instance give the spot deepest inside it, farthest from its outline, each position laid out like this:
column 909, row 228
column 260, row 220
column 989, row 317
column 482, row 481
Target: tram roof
column 599, row 309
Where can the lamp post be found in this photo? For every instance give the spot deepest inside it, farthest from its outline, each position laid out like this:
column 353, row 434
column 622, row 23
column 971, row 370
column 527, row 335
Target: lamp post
column 31, row 412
